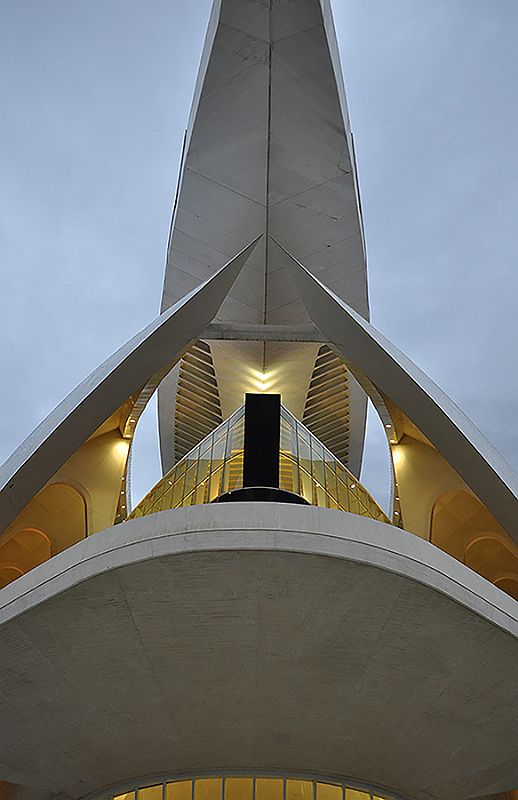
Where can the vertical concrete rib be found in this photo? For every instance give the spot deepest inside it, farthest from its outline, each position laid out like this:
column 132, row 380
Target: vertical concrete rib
column 268, row 150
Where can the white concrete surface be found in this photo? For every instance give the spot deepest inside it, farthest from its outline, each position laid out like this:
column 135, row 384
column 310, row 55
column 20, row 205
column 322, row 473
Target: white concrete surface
column 268, row 150
column 259, row 636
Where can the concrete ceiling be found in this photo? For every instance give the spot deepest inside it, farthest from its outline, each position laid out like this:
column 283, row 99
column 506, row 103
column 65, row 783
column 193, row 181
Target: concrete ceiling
column 296, row 639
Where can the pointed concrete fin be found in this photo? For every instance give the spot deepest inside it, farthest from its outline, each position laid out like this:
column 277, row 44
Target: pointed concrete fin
column 249, row 165
column 366, row 350
column 146, row 358
column 268, row 148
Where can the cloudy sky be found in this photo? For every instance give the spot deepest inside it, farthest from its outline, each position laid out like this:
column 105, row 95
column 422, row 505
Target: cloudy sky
column 95, row 96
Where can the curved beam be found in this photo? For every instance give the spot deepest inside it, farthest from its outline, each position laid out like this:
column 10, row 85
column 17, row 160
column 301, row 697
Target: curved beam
column 366, row 350
column 149, row 355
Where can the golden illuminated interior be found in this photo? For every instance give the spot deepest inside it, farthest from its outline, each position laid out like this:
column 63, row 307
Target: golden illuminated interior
column 244, row 787
column 88, row 494
column 437, row 505
column 465, row 529
column 84, row 497
column 215, row 466
column 53, row 521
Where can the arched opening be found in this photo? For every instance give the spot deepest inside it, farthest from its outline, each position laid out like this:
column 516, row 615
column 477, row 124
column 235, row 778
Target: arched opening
column 22, row 552
column 463, row 527
column 9, row 573
column 62, row 509
column 376, row 472
column 495, row 559
column 53, row 521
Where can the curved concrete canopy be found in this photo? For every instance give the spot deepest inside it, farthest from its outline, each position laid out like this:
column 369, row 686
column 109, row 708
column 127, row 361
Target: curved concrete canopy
column 370, row 355
column 296, row 639
column 148, row 356
column 268, row 150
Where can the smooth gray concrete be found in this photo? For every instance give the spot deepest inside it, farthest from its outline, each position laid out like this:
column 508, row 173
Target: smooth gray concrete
column 258, row 636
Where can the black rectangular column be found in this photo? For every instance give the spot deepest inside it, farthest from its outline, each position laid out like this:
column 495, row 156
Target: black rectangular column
column 262, row 440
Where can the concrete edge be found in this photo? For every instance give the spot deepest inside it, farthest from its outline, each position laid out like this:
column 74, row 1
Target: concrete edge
column 279, row 527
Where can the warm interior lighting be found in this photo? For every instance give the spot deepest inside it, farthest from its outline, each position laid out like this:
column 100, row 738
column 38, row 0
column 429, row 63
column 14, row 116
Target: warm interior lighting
column 244, row 787
column 121, row 448
column 215, row 467
column 262, row 380
column 397, row 455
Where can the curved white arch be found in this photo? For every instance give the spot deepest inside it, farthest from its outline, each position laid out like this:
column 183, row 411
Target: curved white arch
column 370, row 355
column 147, row 356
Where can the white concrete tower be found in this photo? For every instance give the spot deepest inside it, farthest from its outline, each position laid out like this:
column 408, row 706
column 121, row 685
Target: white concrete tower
column 269, row 151
column 257, row 627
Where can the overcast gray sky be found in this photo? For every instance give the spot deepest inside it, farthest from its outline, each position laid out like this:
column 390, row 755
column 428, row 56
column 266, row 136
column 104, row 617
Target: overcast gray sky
column 95, row 96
